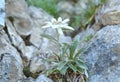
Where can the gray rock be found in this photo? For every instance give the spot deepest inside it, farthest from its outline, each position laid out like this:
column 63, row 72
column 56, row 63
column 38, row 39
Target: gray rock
column 66, row 9
column 16, row 40
column 2, row 14
column 82, row 37
column 43, row 78
column 39, row 17
column 110, row 13
column 17, row 12
column 26, row 80
column 103, row 55
column 10, row 61
column 37, row 64
column 29, row 52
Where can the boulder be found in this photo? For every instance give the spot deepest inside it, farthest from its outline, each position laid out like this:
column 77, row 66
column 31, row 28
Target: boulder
column 10, row 61
column 109, row 14
column 17, row 12
column 39, row 17
column 103, row 55
column 16, row 40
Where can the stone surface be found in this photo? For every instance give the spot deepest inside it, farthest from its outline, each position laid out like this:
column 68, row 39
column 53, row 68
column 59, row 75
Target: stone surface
column 37, row 65
column 10, row 61
column 2, row 14
column 83, row 37
column 16, row 40
column 109, row 14
column 43, row 78
column 66, row 9
column 39, row 17
column 103, row 55
column 17, row 11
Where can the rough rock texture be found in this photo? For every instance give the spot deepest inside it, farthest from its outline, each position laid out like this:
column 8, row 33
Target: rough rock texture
column 111, row 13
column 10, row 61
column 66, row 9
column 20, row 41
column 17, row 12
column 103, row 55
column 103, row 52
column 39, row 18
column 83, row 37
column 2, row 14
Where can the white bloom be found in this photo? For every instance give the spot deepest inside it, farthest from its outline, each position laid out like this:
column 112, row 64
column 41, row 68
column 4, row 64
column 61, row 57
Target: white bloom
column 58, row 24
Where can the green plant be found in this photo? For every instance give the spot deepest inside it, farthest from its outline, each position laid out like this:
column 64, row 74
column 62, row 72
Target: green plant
column 85, row 17
column 69, row 60
column 49, row 6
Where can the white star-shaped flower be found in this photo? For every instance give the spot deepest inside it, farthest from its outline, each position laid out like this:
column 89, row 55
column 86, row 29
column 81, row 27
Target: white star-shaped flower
column 58, row 24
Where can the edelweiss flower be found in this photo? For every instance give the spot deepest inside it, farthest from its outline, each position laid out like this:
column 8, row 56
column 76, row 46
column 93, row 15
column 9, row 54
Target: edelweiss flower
column 58, row 24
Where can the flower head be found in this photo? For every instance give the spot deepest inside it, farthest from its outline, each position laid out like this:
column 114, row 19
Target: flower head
column 58, row 24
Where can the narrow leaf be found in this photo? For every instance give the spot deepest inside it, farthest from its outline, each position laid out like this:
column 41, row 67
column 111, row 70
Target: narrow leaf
column 64, row 70
column 72, row 67
column 81, row 65
column 73, row 47
column 61, row 65
column 49, row 38
column 79, row 52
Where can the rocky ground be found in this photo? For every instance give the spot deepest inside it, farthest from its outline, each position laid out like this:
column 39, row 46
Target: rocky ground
column 21, row 45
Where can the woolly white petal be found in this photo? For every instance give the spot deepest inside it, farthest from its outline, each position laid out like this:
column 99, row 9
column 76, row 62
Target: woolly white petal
column 53, row 20
column 68, row 27
column 65, row 21
column 59, row 19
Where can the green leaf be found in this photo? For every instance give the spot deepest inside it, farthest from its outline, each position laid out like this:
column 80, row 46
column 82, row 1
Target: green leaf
column 61, row 65
column 81, row 60
column 64, row 49
column 72, row 67
column 63, row 71
column 78, row 53
column 81, row 65
column 88, row 38
column 80, row 70
column 73, row 47
column 50, row 38
column 50, row 71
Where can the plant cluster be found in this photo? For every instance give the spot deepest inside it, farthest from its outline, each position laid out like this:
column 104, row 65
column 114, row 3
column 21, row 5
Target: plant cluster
column 69, row 62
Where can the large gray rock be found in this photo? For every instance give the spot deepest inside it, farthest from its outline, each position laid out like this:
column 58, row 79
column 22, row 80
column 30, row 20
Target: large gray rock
column 109, row 14
column 103, row 55
column 17, row 12
column 39, row 17
column 16, row 40
column 10, row 61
